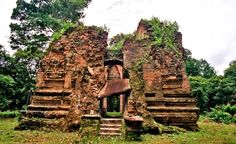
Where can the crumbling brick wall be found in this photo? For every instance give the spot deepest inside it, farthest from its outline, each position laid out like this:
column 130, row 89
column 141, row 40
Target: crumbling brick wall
column 70, row 76
column 158, row 80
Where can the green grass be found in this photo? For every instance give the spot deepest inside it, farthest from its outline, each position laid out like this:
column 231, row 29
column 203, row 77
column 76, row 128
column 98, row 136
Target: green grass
column 210, row 133
column 113, row 114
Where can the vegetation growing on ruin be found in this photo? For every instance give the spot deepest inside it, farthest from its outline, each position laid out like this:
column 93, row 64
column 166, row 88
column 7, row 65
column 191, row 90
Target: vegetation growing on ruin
column 114, row 50
column 163, row 32
column 116, row 42
column 66, row 27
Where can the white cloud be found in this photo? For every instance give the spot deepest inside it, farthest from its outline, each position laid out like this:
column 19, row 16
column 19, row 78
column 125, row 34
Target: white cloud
column 6, row 8
column 208, row 26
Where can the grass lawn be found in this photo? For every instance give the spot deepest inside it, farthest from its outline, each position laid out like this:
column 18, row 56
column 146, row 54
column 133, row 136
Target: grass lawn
column 210, row 133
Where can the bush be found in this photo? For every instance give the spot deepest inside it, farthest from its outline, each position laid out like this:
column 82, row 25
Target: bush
column 9, row 114
column 224, row 113
column 229, row 109
column 164, row 32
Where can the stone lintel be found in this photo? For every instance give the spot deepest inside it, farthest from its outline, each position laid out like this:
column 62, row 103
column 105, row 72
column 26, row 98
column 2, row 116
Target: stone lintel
column 114, row 87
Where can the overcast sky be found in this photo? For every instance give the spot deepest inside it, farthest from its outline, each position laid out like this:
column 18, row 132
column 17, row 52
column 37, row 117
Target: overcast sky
column 208, row 26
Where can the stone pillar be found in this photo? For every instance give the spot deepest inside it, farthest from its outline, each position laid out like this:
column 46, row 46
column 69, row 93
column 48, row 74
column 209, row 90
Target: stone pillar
column 122, row 102
column 68, row 78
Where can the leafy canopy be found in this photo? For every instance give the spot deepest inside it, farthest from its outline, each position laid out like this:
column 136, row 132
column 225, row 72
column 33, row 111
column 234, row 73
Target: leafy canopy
column 35, row 24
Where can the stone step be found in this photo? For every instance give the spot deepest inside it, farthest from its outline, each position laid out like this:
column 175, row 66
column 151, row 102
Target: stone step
column 171, row 109
column 175, row 117
column 111, row 121
column 110, row 130
column 110, row 126
column 183, row 114
column 110, row 134
column 48, row 107
column 170, row 99
column 176, row 120
column 171, row 86
column 171, row 102
column 45, row 114
column 176, row 94
column 50, row 97
column 173, row 113
column 53, row 92
column 50, row 100
column 46, row 102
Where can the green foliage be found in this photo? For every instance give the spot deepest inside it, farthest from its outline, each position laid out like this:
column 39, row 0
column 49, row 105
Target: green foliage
column 231, row 109
column 113, row 114
column 230, row 72
column 209, row 89
column 15, row 81
column 220, row 91
column 9, row 114
column 164, row 32
column 117, row 46
column 212, row 91
column 199, row 90
column 34, row 22
column 133, row 136
column 195, row 67
column 7, row 84
column 114, row 50
column 223, row 113
column 116, row 42
column 210, row 133
column 66, row 27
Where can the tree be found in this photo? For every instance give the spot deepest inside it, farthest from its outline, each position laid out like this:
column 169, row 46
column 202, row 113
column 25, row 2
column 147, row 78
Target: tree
column 209, row 89
column 195, row 67
column 220, row 90
column 211, row 92
column 200, row 91
column 39, row 19
column 15, row 81
column 36, row 21
column 231, row 71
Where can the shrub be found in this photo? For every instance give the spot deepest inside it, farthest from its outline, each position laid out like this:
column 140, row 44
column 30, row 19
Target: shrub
column 224, row 113
column 229, row 109
column 66, row 26
column 9, row 114
column 164, row 32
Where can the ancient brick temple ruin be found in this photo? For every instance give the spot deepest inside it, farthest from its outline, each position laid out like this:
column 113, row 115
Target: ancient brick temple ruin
column 80, row 80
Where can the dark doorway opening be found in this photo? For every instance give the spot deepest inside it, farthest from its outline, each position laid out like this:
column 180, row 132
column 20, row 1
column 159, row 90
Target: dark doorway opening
column 113, row 103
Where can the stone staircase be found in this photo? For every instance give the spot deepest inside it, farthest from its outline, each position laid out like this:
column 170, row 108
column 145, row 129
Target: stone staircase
column 110, row 127
column 173, row 109
column 48, row 104
column 173, row 106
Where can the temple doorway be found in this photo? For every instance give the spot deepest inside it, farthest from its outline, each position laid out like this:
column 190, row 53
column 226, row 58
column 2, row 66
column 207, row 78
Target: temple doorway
column 113, row 106
column 113, row 103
